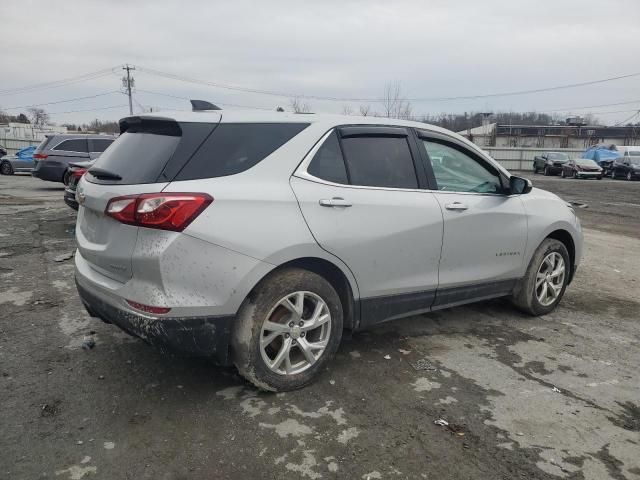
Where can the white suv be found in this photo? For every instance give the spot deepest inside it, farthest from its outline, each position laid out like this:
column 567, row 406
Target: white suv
column 257, row 238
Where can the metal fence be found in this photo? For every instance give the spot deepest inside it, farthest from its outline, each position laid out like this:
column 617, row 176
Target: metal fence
column 522, row 158
column 12, row 145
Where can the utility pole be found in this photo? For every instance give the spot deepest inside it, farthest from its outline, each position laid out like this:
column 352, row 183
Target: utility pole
column 128, row 83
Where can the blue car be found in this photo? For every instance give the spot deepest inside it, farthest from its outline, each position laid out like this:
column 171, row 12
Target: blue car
column 22, row 161
column 603, row 155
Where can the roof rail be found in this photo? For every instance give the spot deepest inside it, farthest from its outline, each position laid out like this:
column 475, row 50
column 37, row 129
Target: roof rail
column 203, row 105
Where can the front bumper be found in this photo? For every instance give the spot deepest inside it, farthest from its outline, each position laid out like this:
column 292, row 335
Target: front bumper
column 197, row 336
column 588, row 174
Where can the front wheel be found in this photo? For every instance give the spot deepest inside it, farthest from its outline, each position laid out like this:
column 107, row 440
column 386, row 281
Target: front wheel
column 547, row 172
column 6, row 168
column 287, row 330
column 546, row 278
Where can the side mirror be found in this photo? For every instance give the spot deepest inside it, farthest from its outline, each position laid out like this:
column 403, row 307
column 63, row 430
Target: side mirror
column 519, row 185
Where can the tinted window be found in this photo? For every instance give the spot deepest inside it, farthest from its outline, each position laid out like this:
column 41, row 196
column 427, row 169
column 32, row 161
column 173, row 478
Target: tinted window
column 138, row 157
column 235, row 147
column 100, row 145
column 77, row 145
column 380, row 162
column 328, row 163
column 456, row 171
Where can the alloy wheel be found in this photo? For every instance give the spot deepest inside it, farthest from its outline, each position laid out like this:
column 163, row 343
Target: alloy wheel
column 295, row 333
column 5, row 168
column 550, row 279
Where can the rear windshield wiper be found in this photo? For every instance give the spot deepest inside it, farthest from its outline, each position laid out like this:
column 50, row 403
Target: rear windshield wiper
column 103, row 174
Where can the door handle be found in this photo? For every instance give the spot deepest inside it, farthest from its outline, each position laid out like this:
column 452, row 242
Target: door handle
column 455, row 206
column 334, row 202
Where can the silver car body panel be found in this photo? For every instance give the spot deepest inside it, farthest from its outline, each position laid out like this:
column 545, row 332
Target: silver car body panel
column 389, row 243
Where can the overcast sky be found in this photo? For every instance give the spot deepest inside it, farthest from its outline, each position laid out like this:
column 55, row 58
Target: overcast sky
column 341, row 48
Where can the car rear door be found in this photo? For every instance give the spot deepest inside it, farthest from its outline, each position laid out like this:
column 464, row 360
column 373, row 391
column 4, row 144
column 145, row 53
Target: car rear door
column 485, row 228
column 143, row 159
column 360, row 192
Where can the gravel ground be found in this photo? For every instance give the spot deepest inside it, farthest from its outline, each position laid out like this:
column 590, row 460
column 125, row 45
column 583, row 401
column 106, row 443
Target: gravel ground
column 538, row 398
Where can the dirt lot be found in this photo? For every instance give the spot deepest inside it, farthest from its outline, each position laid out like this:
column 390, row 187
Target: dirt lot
column 550, row 397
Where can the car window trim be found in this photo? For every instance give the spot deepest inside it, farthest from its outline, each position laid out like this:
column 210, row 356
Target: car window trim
column 70, row 151
column 302, row 172
column 449, row 141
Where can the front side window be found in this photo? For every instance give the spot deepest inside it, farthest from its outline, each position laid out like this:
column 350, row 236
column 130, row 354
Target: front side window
column 76, row 145
column 379, row 161
column 328, row 163
column 455, row 171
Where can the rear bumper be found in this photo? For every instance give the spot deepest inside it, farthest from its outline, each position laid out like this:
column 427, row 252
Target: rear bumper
column 50, row 171
column 198, row 336
column 70, row 198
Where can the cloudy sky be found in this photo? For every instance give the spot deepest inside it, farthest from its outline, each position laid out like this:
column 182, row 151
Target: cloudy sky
column 330, row 48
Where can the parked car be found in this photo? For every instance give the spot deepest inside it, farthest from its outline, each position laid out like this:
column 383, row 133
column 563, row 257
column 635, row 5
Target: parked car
column 76, row 171
column 603, row 155
column 628, row 165
column 550, row 162
column 21, row 162
column 3, row 151
column 581, row 168
column 53, row 155
column 255, row 238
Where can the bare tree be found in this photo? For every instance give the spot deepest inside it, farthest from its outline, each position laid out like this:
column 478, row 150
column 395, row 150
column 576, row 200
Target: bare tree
column 347, row 110
column 365, row 110
column 394, row 104
column 38, row 116
column 299, row 106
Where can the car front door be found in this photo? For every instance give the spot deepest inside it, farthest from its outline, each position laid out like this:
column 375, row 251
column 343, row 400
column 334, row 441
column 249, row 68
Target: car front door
column 362, row 193
column 485, row 228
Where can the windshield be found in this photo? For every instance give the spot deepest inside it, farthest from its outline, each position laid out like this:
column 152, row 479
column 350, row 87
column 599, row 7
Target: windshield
column 557, row 156
column 586, row 162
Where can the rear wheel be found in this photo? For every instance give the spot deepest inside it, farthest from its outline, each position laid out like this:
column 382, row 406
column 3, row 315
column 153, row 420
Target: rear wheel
column 65, row 177
column 287, row 330
column 6, row 168
column 545, row 281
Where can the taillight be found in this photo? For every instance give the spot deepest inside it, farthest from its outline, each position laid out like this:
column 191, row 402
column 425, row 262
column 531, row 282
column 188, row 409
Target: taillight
column 164, row 211
column 78, row 172
column 148, row 308
column 39, row 156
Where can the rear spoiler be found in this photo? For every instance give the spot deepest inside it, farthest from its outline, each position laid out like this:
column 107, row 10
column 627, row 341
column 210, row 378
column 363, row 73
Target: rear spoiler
column 153, row 125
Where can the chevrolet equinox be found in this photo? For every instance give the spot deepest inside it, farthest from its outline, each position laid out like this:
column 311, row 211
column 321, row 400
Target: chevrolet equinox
column 258, row 238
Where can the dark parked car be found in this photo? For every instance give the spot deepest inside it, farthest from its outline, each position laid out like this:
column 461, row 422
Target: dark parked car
column 628, row 165
column 76, row 172
column 581, row 168
column 550, row 162
column 56, row 152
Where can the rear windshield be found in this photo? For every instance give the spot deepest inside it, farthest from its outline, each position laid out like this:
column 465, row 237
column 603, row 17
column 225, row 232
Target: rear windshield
column 151, row 151
column 44, row 143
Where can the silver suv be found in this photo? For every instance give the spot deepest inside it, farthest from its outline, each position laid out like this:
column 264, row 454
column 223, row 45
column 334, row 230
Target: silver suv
column 257, row 239
column 55, row 152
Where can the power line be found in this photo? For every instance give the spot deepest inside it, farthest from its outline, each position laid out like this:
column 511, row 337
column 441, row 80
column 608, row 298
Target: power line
column 219, row 103
column 371, row 100
column 58, row 83
column 62, row 101
column 89, row 109
column 626, row 120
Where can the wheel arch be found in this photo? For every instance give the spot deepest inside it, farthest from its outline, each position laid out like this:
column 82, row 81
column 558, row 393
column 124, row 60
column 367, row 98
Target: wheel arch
column 338, row 280
column 565, row 237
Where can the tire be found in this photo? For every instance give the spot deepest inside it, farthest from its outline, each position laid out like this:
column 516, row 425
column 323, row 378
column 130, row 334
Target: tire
column 629, row 176
column 546, row 171
column 575, row 174
column 525, row 296
column 613, row 174
column 535, row 168
column 264, row 303
column 65, row 177
column 600, row 177
column 562, row 175
column 6, row 168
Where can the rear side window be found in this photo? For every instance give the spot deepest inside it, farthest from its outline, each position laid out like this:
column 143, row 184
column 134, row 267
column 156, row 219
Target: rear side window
column 75, row 145
column 380, row 162
column 235, row 147
column 328, row 163
column 100, row 145
column 44, row 143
